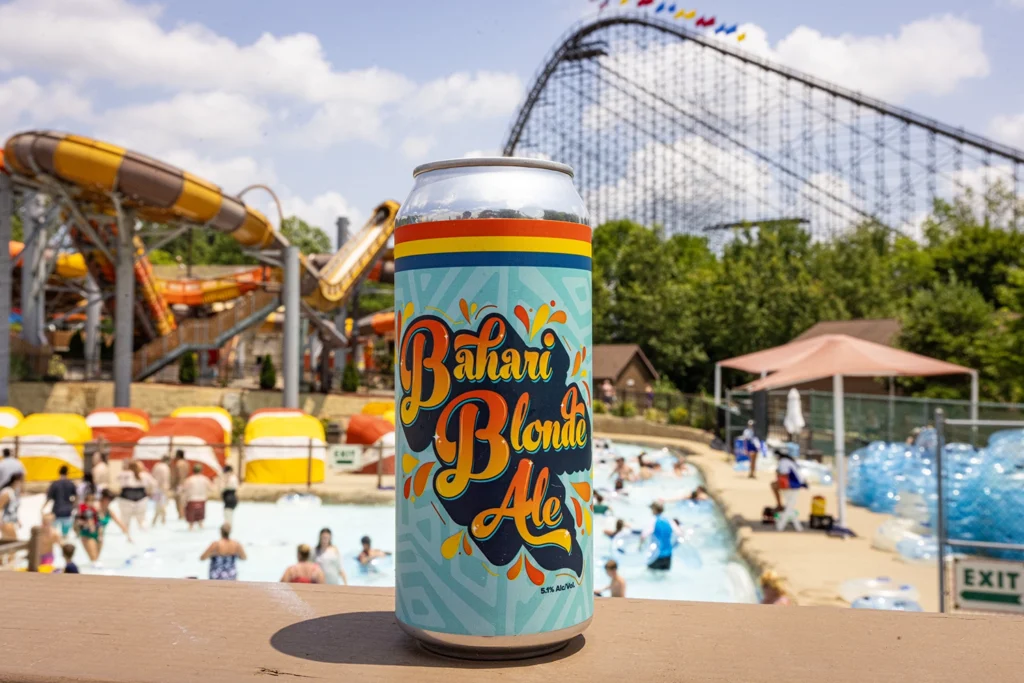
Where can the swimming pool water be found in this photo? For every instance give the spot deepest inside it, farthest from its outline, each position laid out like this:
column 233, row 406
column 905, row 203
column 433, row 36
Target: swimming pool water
column 705, row 564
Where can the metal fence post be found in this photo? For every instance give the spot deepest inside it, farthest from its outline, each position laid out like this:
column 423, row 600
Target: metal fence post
column 940, row 525
column 380, row 465
column 309, row 465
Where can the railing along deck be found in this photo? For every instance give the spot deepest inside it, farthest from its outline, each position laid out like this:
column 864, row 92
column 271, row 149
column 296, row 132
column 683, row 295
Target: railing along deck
column 92, row 628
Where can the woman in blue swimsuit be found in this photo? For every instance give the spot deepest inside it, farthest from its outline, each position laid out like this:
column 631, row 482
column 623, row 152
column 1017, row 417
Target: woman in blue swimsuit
column 223, row 554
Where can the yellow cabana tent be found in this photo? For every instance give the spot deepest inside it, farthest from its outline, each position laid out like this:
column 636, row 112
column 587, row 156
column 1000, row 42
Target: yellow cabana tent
column 277, row 451
column 382, row 409
column 9, row 419
column 214, row 412
column 45, row 441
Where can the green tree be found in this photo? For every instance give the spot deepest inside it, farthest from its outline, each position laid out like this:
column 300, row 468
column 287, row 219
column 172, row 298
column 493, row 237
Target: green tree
column 268, row 375
column 187, row 369
column 17, row 231
column 350, row 378
column 308, row 238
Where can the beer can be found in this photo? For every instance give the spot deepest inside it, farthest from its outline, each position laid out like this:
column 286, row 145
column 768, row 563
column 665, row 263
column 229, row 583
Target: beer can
column 494, row 550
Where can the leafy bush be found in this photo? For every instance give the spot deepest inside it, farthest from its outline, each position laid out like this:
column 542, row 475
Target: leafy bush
column 654, row 415
column 268, row 375
column 237, row 429
column 55, row 369
column 625, row 409
column 350, row 378
column 679, row 416
column 600, row 408
column 187, row 369
column 76, row 346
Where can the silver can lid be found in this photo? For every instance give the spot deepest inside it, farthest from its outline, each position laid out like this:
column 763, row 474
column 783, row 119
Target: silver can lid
column 520, row 162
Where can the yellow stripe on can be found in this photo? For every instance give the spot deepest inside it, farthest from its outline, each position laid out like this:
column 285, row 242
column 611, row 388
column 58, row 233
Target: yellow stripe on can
column 447, row 245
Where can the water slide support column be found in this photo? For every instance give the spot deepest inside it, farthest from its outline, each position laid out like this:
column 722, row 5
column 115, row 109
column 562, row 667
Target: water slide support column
column 6, row 211
column 839, row 446
column 292, row 316
column 33, row 220
column 92, row 327
column 124, row 309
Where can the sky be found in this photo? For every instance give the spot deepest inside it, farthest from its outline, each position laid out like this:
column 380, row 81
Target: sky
column 333, row 102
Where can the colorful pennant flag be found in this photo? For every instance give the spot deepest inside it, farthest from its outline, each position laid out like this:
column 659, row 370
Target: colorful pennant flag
column 704, row 21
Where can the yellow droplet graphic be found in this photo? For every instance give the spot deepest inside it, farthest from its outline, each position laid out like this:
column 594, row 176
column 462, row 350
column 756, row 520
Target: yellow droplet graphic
column 409, row 463
column 450, row 546
column 407, row 313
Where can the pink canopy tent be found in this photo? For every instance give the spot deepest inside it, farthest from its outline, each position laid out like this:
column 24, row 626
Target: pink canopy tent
column 837, row 356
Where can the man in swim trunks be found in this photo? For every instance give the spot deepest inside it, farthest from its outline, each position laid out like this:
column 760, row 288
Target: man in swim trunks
column 180, row 474
column 660, row 532
column 62, row 496
column 617, row 587
column 623, row 471
column 196, row 489
column 369, row 554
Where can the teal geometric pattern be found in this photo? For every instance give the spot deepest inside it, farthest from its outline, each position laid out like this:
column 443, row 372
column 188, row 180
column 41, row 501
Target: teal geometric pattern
column 466, row 595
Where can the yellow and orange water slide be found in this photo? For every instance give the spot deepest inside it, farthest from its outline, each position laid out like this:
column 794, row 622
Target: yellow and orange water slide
column 100, row 177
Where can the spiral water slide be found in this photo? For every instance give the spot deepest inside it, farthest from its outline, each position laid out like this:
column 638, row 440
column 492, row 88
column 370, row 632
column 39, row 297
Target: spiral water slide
column 98, row 184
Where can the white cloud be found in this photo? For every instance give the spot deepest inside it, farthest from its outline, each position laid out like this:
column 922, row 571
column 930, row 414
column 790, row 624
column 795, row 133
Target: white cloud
column 709, row 165
column 217, row 118
column 322, row 210
column 23, row 97
column 1008, row 128
column 415, row 147
column 284, row 79
column 230, row 173
column 463, row 96
column 929, row 56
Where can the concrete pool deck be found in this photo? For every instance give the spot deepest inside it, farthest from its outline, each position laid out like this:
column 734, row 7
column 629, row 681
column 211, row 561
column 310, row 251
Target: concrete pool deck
column 814, row 565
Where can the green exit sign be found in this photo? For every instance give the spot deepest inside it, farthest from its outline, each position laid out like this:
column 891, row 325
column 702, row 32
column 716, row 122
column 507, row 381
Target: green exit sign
column 986, row 585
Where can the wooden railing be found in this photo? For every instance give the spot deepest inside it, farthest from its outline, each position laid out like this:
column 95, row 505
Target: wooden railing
column 201, row 332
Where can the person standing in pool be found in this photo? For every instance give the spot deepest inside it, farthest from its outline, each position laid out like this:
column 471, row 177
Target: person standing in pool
column 95, row 517
column 161, row 489
column 329, row 559
column 134, row 497
column 368, row 553
column 61, row 497
column 304, row 571
column 179, row 475
column 100, row 469
column 660, row 533
column 617, row 587
column 229, row 493
column 223, row 555
column 195, row 491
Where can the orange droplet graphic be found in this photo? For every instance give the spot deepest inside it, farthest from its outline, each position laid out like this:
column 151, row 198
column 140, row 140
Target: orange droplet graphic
column 514, row 570
column 552, row 303
column 576, row 363
column 582, row 488
column 408, row 487
column 558, row 317
column 521, row 315
column 421, row 478
column 450, row 546
column 584, row 353
column 466, row 548
column 587, row 387
column 536, row 575
column 579, row 512
column 464, row 308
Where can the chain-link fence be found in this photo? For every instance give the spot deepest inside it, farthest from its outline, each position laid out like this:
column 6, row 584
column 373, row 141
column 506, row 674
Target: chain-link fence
column 869, row 417
column 671, row 407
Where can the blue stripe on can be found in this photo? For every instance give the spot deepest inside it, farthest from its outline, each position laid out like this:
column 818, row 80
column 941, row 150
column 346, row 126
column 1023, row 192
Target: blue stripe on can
column 492, row 258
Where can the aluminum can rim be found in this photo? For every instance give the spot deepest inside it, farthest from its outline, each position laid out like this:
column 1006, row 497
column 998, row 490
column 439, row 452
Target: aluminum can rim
column 475, row 162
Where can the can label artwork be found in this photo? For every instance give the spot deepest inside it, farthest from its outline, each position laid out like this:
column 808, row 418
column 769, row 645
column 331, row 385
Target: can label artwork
column 494, row 519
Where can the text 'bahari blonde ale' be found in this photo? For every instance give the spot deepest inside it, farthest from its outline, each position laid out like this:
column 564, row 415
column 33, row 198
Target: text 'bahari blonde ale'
column 494, row 554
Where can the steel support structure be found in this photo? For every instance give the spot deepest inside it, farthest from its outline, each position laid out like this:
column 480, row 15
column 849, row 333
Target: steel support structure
column 93, row 311
column 668, row 126
column 6, row 214
column 124, row 309
column 292, row 319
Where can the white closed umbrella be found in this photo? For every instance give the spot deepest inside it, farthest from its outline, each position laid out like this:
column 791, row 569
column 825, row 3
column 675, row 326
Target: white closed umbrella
column 794, row 420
